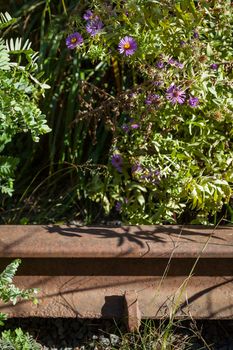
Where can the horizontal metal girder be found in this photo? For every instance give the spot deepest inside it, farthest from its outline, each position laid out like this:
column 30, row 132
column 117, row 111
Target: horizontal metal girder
column 94, row 271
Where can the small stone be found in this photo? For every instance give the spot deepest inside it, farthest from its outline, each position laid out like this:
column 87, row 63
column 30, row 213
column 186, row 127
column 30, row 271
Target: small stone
column 115, row 340
column 104, row 341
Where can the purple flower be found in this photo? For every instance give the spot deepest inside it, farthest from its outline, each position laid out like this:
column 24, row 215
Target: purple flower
column 157, row 83
column 152, row 176
column 179, row 64
column 134, row 126
column 117, row 162
column 195, row 34
column 214, row 66
column 171, row 61
column 160, row 64
column 151, row 99
column 193, row 101
column 125, row 128
column 118, row 206
column 175, row 94
column 88, row 15
column 136, row 168
column 182, row 43
column 127, row 46
column 74, row 40
column 94, row 26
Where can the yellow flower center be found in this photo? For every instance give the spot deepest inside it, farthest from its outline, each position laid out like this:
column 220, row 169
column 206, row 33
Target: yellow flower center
column 73, row 40
column 127, row 46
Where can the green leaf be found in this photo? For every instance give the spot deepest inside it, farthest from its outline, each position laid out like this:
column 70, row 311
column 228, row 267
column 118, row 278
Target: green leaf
column 209, row 50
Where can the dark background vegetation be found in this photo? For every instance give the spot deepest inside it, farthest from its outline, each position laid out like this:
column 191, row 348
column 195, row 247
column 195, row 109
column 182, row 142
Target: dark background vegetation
column 52, row 174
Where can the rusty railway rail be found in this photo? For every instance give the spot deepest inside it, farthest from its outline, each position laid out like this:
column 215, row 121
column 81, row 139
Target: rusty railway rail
column 134, row 271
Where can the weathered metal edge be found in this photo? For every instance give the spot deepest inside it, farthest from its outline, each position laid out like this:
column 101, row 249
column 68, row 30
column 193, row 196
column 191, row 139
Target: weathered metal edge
column 54, row 241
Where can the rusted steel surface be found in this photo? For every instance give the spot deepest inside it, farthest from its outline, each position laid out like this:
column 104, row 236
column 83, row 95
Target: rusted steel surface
column 108, row 242
column 92, row 271
column 132, row 311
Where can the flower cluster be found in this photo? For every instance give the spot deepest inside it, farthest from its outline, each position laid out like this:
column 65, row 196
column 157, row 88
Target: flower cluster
column 127, row 45
column 152, row 99
column 176, row 95
column 94, row 24
column 172, row 91
column 146, row 174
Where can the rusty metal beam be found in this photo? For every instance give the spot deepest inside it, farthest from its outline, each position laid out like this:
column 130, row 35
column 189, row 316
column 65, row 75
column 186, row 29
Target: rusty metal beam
column 96, row 271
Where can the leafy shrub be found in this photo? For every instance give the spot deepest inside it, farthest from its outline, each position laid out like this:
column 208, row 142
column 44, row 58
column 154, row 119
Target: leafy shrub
column 19, row 96
column 172, row 128
column 18, row 340
column 8, row 291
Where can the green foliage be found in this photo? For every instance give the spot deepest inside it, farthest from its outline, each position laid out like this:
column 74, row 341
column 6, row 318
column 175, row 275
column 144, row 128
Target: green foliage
column 6, row 20
column 18, row 340
column 8, row 291
column 19, row 97
column 185, row 152
column 176, row 154
column 55, row 169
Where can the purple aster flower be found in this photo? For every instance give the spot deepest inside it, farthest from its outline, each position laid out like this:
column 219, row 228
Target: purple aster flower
column 136, row 168
column 171, row 61
column 179, row 64
column 152, row 176
column 195, row 34
column 134, row 126
column 117, row 162
column 175, row 94
column 94, row 26
column 160, row 64
column 127, row 46
column 74, row 40
column 214, row 66
column 151, row 99
column 125, row 128
column 157, row 83
column 88, row 15
column 118, row 206
column 193, row 101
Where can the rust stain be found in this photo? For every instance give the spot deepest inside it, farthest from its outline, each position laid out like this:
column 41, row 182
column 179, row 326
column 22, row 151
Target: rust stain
column 96, row 271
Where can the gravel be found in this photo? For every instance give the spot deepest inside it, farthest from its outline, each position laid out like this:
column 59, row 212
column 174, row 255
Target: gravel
column 89, row 334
